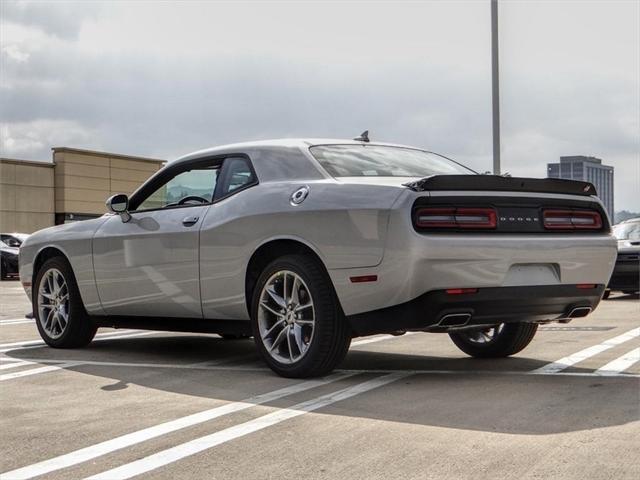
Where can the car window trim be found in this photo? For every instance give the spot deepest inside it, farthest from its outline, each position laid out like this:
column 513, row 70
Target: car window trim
column 160, row 179
column 224, row 173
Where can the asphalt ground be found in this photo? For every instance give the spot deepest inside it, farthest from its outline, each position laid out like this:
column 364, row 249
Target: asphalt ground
column 177, row 406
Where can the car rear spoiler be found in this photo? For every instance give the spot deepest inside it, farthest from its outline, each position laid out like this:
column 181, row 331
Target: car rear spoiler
column 502, row 184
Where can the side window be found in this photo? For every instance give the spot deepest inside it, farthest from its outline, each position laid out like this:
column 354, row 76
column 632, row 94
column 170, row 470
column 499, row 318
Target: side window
column 237, row 173
column 191, row 187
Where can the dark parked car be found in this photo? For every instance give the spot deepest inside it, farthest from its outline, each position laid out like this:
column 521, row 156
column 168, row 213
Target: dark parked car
column 9, row 246
column 626, row 274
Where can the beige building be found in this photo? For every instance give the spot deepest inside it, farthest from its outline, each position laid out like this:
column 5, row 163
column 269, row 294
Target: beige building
column 35, row 195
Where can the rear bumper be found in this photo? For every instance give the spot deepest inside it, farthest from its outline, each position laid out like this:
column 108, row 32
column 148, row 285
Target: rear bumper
column 437, row 310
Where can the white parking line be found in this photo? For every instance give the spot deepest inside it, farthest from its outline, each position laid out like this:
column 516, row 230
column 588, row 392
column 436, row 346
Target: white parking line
column 15, row 321
column 567, row 362
column 13, row 363
column 124, row 441
column 35, row 371
column 211, row 365
column 8, row 347
column 192, row 447
column 26, row 343
column 250, row 368
column 620, row 364
column 380, row 338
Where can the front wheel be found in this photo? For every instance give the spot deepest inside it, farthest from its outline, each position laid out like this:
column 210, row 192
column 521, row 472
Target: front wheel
column 60, row 315
column 297, row 323
column 495, row 342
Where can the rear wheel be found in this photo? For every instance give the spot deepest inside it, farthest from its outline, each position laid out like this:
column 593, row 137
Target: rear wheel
column 497, row 341
column 60, row 315
column 606, row 294
column 297, row 323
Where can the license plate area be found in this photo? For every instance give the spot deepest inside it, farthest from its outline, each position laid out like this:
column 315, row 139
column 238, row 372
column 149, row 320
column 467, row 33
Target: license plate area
column 521, row 274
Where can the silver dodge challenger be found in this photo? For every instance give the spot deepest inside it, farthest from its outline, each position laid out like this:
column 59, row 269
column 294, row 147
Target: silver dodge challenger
column 306, row 244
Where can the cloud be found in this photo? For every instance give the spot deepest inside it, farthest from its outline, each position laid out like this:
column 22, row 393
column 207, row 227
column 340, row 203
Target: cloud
column 164, row 79
column 21, row 139
column 61, row 18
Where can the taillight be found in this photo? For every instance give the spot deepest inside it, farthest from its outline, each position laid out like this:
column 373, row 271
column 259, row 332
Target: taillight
column 572, row 220
column 456, row 217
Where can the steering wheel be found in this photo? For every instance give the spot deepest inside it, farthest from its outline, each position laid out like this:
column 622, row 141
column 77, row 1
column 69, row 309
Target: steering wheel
column 192, row 198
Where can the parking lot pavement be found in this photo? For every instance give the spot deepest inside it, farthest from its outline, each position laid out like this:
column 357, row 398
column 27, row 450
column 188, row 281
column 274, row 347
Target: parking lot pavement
column 172, row 406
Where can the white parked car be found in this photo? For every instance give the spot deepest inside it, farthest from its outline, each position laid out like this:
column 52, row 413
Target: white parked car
column 305, row 244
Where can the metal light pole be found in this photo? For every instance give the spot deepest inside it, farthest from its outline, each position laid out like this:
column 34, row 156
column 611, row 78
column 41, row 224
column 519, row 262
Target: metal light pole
column 495, row 87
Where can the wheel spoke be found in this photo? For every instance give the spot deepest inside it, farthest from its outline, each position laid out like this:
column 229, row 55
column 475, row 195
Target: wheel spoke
column 58, row 282
column 302, row 307
column 49, row 320
column 278, row 340
column 297, row 333
column 50, row 283
column 271, row 310
column 295, row 298
column 62, row 322
column 305, row 322
column 55, row 322
column 272, row 328
column 289, row 343
column 276, row 298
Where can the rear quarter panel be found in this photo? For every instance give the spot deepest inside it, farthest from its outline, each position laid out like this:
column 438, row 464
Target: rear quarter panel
column 345, row 225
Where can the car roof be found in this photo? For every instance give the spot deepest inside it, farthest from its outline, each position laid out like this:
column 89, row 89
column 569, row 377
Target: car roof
column 302, row 143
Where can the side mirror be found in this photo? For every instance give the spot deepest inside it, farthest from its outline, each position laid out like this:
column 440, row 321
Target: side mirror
column 119, row 204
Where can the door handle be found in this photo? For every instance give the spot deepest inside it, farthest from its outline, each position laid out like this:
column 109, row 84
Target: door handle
column 189, row 221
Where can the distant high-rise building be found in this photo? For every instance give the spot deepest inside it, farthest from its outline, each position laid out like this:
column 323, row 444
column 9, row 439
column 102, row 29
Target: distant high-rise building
column 587, row 169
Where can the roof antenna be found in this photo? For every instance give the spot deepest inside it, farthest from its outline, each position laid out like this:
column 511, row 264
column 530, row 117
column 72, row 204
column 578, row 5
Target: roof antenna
column 364, row 137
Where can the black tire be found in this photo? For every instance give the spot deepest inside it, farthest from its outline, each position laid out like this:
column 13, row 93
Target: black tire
column 510, row 340
column 3, row 270
column 80, row 329
column 331, row 336
column 606, row 294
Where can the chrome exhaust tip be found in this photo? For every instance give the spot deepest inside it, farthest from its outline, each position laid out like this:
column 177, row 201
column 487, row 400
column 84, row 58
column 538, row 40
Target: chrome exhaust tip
column 579, row 312
column 454, row 320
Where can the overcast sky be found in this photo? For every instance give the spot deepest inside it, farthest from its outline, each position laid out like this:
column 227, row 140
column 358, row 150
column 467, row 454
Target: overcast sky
column 163, row 79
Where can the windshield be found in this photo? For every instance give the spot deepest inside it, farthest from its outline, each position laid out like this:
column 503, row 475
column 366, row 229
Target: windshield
column 383, row 161
column 627, row 231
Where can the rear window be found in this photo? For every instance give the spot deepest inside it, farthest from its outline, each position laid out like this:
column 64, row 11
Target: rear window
column 383, row 161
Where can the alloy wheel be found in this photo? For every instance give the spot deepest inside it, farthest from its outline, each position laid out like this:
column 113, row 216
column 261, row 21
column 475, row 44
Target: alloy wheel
column 286, row 317
column 53, row 303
